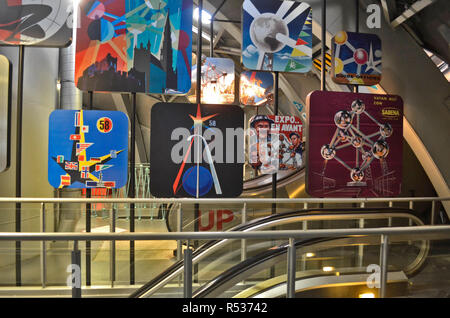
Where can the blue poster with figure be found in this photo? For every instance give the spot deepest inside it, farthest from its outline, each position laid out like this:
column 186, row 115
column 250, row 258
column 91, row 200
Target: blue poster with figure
column 87, row 149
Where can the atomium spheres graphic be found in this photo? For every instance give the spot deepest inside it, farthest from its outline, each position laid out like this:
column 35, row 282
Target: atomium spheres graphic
column 343, row 119
column 348, row 134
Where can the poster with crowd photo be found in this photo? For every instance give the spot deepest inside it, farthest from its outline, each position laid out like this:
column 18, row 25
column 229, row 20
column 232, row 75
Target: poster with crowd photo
column 5, row 112
column 87, row 149
column 354, row 145
column 196, row 150
column 134, row 46
column 275, row 143
column 277, row 36
column 45, row 23
column 356, row 58
column 217, row 81
column 256, row 88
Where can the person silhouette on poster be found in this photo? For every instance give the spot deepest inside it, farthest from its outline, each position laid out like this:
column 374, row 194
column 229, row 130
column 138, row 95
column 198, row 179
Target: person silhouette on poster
column 17, row 19
column 261, row 150
column 296, row 149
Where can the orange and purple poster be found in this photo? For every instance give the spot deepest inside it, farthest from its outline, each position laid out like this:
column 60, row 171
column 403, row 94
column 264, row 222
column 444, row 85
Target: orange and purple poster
column 355, row 145
column 134, row 46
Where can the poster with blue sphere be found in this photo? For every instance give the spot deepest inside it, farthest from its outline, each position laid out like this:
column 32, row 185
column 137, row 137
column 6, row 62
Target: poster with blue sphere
column 87, row 149
column 196, row 151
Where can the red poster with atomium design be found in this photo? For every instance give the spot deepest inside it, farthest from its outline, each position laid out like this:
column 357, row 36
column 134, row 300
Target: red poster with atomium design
column 354, row 145
column 275, row 143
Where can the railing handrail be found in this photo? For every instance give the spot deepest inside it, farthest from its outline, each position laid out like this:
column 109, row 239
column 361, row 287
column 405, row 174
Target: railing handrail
column 12, row 236
column 221, row 200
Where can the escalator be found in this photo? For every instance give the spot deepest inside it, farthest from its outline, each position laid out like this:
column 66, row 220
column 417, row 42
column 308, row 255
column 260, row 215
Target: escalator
column 242, row 281
column 220, row 257
column 263, row 183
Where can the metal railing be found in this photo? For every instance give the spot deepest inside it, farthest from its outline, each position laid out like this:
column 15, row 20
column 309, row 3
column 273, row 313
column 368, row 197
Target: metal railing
column 266, row 235
column 306, row 202
column 222, row 201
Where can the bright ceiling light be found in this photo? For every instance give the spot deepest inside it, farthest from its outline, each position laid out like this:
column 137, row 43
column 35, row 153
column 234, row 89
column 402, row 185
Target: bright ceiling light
column 206, row 17
column 367, row 295
column 310, row 254
column 328, row 268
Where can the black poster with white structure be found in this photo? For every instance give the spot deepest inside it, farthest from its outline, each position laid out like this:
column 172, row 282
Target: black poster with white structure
column 196, row 151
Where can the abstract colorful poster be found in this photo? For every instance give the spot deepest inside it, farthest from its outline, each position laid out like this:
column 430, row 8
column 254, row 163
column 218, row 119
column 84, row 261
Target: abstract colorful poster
column 354, row 145
column 275, row 143
column 46, row 23
column 135, row 46
column 256, row 88
column 356, row 58
column 277, row 36
column 5, row 112
column 217, row 81
column 196, row 150
column 87, row 149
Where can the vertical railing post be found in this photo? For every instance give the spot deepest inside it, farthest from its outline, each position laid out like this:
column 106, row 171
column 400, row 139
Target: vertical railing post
column 43, row 252
column 76, row 268
column 360, row 246
column 411, row 207
column 18, row 216
column 291, row 269
column 244, row 241
column 384, row 264
column 179, row 229
column 410, row 223
column 113, row 246
column 304, row 228
column 132, row 192
column 433, row 212
column 391, row 204
column 187, row 287
column 89, row 211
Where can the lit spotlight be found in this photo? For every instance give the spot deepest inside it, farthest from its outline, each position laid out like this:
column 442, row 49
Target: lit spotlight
column 328, row 268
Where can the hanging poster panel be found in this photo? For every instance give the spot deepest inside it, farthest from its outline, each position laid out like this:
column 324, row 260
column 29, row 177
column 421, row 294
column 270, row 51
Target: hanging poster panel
column 354, row 145
column 275, row 143
column 276, row 36
column 356, row 58
column 256, row 89
column 5, row 112
column 45, row 23
column 217, row 81
column 196, row 150
column 135, row 46
column 87, row 149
